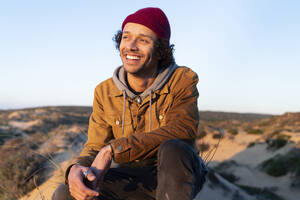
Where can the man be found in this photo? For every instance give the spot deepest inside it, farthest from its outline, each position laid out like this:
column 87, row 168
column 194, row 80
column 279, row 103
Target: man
column 143, row 118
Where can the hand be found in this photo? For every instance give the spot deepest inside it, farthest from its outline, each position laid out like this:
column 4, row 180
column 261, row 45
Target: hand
column 101, row 165
column 76, row 186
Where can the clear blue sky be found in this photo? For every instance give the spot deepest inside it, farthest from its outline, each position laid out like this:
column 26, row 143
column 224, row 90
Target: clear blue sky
column 246, row 52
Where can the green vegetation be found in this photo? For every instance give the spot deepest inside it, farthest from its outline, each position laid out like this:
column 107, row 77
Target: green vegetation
column 296, row 182
column 265, row 123
column 262, row 193
column 222, row 170
column 225, row 165
column 278, row 142
column 18, row 170
column 251, row 144
column 217, row 136
column 282, row 164
column 233, row 131
column 254, row 131
column 203, row 147
column 275, row 167
column 201, row 133
column 229, row 177
column 4, row 135
column 22, row 165
column 212, row 177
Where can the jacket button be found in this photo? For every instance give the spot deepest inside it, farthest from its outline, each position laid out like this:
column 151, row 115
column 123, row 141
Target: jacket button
column 117, row 122
column 160, row 117
column 120, row 148
column 138, row 100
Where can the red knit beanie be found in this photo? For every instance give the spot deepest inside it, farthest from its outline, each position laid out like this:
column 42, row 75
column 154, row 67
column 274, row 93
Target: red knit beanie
column 153, row 18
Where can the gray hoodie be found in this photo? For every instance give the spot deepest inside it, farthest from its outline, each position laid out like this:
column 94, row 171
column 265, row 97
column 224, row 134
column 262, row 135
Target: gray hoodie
column 160, row 80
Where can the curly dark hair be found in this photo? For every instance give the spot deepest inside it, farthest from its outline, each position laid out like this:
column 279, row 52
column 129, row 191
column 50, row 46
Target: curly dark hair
column 163, row 50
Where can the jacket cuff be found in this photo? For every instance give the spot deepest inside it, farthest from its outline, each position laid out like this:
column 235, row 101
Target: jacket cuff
column 121, row 150
column 67, row 173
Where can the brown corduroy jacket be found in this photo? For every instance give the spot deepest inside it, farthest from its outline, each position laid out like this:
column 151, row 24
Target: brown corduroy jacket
column 128, row 128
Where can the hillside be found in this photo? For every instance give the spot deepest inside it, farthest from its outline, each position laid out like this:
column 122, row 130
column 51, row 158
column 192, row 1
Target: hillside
column 262, row 157
column 221, row 116
column 38, row 142
column 34, row 142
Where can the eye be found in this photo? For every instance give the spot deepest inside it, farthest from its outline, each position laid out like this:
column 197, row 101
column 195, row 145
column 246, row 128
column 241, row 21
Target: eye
column 144, row 41
column 124, row 37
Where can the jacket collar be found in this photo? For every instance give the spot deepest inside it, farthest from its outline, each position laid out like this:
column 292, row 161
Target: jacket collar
column 115, row 92
column 159, row 85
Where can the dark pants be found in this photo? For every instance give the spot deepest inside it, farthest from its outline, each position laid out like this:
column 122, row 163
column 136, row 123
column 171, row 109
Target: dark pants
column 179, row 175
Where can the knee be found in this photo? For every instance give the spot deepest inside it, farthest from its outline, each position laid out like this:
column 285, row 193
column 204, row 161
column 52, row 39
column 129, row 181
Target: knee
column 175, row 152
column 174, row 147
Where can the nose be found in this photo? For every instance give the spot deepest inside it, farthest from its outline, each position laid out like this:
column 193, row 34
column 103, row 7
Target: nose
column 133, row 45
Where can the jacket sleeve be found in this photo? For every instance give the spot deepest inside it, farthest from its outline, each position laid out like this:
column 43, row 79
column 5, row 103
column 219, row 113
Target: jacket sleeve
column 181, row 122
column 99, row 133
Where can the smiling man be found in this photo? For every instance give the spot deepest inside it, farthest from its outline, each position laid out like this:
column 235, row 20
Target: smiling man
column 144, row 119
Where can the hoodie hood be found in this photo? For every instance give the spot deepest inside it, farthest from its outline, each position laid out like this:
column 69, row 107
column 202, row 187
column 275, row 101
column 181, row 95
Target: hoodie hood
column 160, row 80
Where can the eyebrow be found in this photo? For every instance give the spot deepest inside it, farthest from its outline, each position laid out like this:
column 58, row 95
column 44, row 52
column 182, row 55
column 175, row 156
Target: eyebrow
column 143, row 35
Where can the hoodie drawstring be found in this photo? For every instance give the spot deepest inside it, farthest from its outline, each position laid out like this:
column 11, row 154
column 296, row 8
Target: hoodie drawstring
column 124, row 109
column 150, row 110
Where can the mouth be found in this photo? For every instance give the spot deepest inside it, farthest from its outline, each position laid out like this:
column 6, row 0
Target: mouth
column 133, row 57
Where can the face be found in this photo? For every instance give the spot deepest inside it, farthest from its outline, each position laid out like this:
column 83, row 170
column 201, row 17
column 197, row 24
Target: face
column 137, row 50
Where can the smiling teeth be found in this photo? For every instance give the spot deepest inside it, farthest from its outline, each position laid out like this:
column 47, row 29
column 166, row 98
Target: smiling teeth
column 132, row 57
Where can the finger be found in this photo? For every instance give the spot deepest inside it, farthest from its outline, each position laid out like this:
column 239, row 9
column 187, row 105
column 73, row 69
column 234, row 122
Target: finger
column 77, row 194
column 90, row 198
column 85, row 190
column 85, row 171
column 91, row 176
column 80, row 190
column 74, row 191
column 80, row 196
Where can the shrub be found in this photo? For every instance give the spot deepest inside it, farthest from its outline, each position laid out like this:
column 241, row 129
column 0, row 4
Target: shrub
column 277, row 143
column 217, row 136
column 296, row 182
column 212, row 177
column 265, row 123
column 229, row 177
column 251, row 144
column 20, row 166
column 261, row 193
column 226, row 165
column 203, row 147
column 275, row 167
column 233, row 131
column 282, row 164
column 254, row 131
column 17, row 172
column 201, row 134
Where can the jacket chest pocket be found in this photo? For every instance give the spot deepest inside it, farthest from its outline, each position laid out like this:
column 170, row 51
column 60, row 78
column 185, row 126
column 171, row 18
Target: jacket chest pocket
column 119, row 128
column 162, row 108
